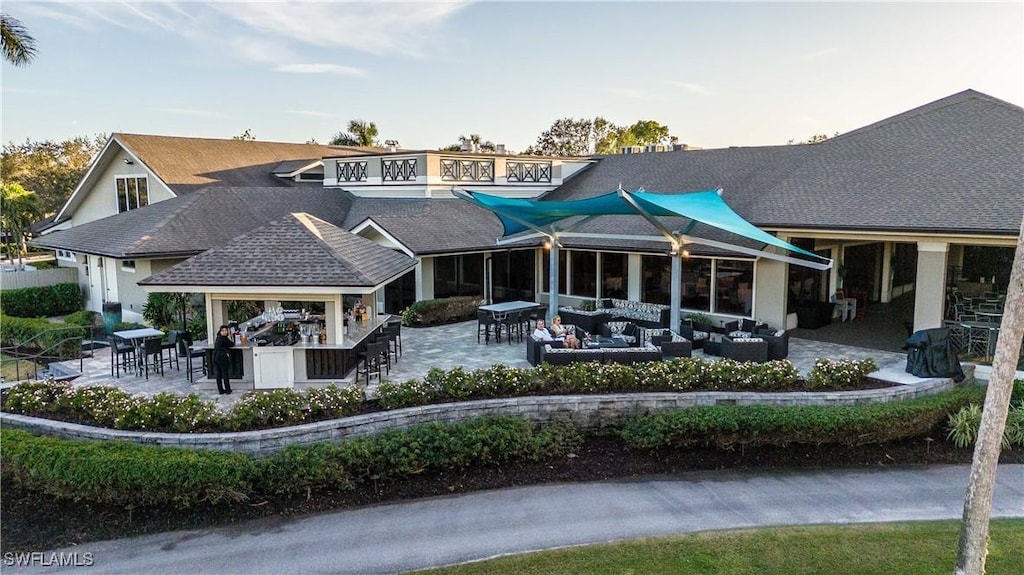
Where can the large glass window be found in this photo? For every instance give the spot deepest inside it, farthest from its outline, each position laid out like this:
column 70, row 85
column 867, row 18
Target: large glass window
column 561, row 271
column 132, row 192
column 513, row 275
column 615, row 275
column 458, row 275
column 400, row 293
column 734, row 283
column 584, row 274
column 696, row 288
column 657, row 279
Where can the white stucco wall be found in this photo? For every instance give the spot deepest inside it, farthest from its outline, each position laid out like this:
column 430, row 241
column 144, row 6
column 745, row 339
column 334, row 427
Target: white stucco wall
column 100, row 200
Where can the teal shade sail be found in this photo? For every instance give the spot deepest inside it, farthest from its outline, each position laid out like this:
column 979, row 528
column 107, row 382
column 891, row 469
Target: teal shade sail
column 704, row 206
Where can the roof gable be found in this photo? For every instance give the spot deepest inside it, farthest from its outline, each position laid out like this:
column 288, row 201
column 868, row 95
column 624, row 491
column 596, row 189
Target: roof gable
column 297, row 250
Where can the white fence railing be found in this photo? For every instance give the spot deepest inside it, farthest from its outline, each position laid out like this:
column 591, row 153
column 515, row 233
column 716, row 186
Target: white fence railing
column 37, row 278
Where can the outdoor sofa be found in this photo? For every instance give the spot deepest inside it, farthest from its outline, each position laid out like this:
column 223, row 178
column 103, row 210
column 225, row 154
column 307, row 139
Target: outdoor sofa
column 621, row 355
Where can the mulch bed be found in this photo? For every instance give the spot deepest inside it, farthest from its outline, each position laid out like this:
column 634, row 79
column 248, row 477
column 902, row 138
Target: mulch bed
column 35, row 522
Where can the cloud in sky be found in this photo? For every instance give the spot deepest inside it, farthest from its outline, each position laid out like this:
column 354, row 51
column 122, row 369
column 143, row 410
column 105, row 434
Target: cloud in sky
column 312, row 113
column 320, row 69
column 692, row 88
column 195, row 113
column 819, row 54
column 272, row 32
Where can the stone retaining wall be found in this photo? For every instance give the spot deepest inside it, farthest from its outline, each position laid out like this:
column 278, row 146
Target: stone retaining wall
column 588, row 411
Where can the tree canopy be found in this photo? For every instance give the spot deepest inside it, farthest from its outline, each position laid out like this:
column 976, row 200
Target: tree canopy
column 360, row 133
column 19, row 47
column 245, row 136
column 18, row 209
column 584, row 137
column 51, row 169
column 484, row 145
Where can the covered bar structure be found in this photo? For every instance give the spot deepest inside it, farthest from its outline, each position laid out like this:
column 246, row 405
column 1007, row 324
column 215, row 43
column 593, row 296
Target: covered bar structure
column 683, row 212
column 308, row 263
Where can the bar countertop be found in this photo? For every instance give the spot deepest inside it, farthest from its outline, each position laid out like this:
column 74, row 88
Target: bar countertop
column 357, row 332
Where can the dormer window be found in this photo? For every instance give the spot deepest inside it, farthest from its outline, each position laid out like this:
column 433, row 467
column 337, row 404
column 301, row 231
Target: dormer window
column 132, row 192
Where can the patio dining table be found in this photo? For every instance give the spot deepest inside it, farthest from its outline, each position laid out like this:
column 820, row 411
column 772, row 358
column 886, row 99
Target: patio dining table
column 137, row 337
column 499, row 310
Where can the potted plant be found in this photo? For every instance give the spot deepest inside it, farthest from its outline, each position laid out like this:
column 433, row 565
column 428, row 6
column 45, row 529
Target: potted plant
column 700, row 321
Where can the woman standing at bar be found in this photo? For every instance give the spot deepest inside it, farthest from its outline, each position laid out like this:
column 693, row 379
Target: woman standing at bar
column 222, row 360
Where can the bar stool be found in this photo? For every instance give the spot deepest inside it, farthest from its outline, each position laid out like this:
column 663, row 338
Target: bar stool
column 190, row 354
column 373, row 361
column 396, row 325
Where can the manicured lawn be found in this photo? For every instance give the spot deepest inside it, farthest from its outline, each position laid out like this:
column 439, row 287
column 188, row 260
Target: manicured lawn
column 24, row 368
column 885, row 549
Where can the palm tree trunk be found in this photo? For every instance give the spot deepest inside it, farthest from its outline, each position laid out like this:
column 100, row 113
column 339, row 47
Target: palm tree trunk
column 973, row 545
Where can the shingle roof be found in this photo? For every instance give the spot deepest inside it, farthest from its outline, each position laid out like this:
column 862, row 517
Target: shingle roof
column 196, row 222
column 955, row 165
column 297, row 250
column 428, row 226
column 187, row 164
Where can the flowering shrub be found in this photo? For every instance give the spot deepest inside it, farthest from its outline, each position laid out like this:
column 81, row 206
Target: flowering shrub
column 392, row 395
column 332, row 402
column 35, row 396
column 274, row 408
column 839, row 373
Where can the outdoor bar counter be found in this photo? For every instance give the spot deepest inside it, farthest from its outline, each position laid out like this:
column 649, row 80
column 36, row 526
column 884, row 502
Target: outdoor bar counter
column 282, row 366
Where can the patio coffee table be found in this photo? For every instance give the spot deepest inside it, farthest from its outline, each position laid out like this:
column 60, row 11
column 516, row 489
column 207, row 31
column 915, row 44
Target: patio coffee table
column 600, row 342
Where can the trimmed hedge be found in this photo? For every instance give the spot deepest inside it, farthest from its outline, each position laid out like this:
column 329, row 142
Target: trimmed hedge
column 43, row 301
column 444, row 310
column 729, row 426
column 135, row 475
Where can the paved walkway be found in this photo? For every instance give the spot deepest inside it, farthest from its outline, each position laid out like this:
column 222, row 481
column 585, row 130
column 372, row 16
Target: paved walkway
column 448, row 530
column 451, row 346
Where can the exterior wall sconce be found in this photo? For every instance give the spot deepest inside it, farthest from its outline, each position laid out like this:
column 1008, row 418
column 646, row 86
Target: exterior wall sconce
column 129, row 161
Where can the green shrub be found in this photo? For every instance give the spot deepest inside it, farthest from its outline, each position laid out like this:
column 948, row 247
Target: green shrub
column 964, row 426
column 262, row 409
column 34, row 397
column 333, row 402
column 45, row 301
column 394, row 395
column 839, row 373
column 727, row 426
column 121, row 473
column 39, row 335
column 443, row 310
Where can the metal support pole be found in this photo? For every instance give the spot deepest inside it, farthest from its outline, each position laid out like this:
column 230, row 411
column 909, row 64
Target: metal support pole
column 676, row 300
column 553, row 279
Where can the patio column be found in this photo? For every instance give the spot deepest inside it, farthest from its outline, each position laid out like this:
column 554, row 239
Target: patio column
column 676, row 293
column 886, row 296
column 930, row 285
column 553, row 279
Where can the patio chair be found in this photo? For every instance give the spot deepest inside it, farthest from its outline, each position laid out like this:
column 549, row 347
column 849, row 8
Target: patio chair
column 170, row 345
column 153, row 352
column 486, row 323
column 512, row 324
column 122, row 355
column 191, row 366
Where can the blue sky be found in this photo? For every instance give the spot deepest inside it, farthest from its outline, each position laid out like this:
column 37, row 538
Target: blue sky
column 718, row 74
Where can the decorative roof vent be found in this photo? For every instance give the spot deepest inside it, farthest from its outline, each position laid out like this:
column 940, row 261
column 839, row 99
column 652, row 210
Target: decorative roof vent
column 391, row 145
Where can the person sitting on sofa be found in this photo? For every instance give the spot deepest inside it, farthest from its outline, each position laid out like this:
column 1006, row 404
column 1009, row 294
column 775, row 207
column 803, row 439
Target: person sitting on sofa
column 565, row 339
column 561, row 332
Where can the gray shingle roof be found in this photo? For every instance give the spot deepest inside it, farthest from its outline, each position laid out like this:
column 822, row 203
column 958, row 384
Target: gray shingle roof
column 955, row 165
column 429, row 226
column 196, row 222
column 188, row 164
column 297, row 250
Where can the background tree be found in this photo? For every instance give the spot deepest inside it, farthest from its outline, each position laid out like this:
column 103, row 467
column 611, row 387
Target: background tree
column 815, row 139
column 245, row 136
column 477, row 139
column 18, row 209
column 18, row 46
column 360, row 133
column 583, row 137
column 51, row 169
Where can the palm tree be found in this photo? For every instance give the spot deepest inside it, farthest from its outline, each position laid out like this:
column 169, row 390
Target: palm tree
column 360, row 133
column 19, row 48
column 18, row 209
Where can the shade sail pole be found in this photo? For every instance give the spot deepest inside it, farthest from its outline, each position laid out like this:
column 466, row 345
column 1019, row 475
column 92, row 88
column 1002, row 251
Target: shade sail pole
column 676, row 298
column 553, row 279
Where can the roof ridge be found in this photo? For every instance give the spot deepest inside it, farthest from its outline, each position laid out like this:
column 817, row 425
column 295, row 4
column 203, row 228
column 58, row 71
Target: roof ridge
column 191, row 199
column 241, row 142
column 956, row 99
column 337, row 255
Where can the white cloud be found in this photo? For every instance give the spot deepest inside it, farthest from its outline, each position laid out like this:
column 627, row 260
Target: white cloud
column 195, row 113
column 320, row 69
column 819, row 54
column 312, row 113
column 692, row 88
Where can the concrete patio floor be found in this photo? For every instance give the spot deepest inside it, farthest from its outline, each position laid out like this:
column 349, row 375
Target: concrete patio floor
column 447, row 347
